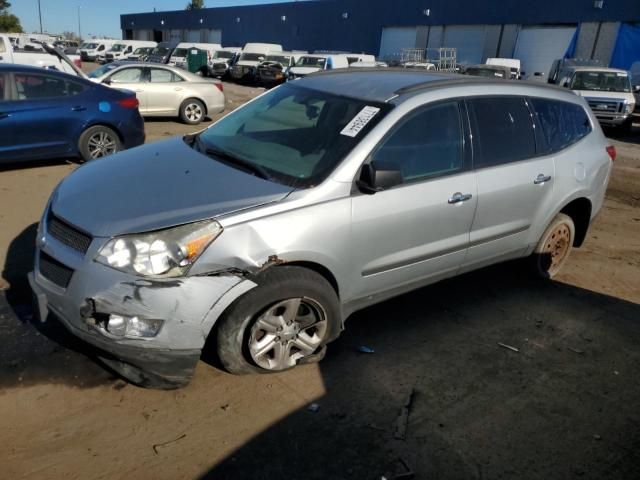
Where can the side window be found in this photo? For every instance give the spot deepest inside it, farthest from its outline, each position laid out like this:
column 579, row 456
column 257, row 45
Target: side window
column 503, row 130
column 563, row 123
column 2, row 87
column 128, row 75
column 160, row 75
column 101, row 48
column 426, row 144
column 34, row 86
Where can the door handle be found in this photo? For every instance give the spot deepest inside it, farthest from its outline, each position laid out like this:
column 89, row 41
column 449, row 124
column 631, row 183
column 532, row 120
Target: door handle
column 459, row 197
column 78, row 108
column 542, row 179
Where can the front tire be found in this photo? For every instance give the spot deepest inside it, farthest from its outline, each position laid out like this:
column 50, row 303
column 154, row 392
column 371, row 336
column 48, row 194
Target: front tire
column 192, row 111
column 97, row 142
column 286, row 320
column 554, row 247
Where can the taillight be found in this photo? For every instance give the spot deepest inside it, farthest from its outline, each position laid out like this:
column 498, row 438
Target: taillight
column 77, row 62
column 611, row 150
column 219, row 86
column 129, row 102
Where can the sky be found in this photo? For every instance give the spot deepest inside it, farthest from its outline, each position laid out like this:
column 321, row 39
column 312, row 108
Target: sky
column 98, row 17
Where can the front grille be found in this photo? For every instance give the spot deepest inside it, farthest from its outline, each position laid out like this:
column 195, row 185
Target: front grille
column 67, row 234
column 605, row 106
column 54, row 271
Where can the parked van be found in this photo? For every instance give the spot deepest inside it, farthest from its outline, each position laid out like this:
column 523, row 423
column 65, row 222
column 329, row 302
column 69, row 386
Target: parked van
column 359, row 58
column 275, row 67
column 124, row 48
column 314, row 63
column 90, row 50
column 222, row 61
column 512, row 63
column 162, row 53
column 251, row 56
column 562, row 64
column 179, row 56
column 608, row 92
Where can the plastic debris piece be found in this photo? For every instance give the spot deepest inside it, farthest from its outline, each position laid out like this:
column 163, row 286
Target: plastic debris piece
column 314, row 407
column 365, row 349
column 508, row 347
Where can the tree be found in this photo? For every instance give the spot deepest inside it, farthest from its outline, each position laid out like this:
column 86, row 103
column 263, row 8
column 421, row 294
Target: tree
column 192, row 5
column 10, row 23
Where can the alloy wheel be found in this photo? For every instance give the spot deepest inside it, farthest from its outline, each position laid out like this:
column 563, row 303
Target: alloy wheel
column 102, row 144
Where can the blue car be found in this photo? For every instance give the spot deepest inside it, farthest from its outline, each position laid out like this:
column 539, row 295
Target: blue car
column 48, row 114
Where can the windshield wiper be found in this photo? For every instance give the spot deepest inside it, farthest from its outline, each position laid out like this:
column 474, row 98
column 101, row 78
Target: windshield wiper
column 232, row 160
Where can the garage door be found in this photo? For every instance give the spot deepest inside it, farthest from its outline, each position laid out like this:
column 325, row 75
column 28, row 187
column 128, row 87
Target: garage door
column 212, row 36
column 538, row 47
column 193, row 36
column 394, row 39
column 469, row 40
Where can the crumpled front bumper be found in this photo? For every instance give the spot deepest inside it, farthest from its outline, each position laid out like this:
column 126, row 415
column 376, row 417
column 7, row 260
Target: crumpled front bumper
column 188, row 306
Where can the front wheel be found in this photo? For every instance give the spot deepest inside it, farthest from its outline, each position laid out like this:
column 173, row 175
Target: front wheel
column 98, row 141
column 192, row 111
column 554, row 246
column 286, row 320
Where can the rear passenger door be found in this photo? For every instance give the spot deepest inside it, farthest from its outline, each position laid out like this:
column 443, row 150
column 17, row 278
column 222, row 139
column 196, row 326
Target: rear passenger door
column 417, row 231
column 515, row 178
column 7, row 125
column 48, row 112
column 164, row 91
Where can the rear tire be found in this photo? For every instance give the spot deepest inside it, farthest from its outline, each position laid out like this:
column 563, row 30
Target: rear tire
column 192, row 111
column 285, row 321
column 554, row 247
column 97, row 142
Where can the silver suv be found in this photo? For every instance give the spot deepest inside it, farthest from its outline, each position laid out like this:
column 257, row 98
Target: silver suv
column 316, row 199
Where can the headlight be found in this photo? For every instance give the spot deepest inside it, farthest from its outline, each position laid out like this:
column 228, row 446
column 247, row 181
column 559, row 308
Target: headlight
column 629, row 108
column 164, row 253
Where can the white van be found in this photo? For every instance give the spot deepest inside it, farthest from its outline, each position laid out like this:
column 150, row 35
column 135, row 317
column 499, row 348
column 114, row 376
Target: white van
column 90, row 50
column 221, row 61
column 359, row 58
column 512, row 63
column 307, row 64
column 179, row 56
column 251, row 56
column 124, row 48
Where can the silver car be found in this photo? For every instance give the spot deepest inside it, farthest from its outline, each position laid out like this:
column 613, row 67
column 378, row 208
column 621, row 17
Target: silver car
column 165, row 91
column 318, row 198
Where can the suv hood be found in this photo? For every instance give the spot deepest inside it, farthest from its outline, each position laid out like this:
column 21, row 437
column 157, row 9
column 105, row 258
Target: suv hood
column 157, row 186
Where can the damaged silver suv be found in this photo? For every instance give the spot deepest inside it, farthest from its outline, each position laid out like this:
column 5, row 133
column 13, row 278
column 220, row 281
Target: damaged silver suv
column 264, row 232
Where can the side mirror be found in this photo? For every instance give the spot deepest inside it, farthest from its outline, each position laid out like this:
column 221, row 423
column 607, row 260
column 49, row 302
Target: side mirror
column 636, row 89
column 378, row 177
column 565, row 84
column 107, row 81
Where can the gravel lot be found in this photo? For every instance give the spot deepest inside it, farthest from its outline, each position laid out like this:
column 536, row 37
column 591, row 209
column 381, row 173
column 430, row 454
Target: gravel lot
column 565, row 405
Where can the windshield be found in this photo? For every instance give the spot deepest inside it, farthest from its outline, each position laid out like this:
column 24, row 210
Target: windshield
column 140, row 51
column 90, row 46
column 251, row 57
column 294, row 134
column 485, row 72
column 160, row 51
column 223, row 54
column 314, row 62
column 277, row 58
column 118, row 47
column 100, row 71
column 601, row 82
column 180, row 52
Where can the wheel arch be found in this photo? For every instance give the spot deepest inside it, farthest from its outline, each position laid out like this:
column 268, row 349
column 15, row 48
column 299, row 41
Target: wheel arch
column 579, row 210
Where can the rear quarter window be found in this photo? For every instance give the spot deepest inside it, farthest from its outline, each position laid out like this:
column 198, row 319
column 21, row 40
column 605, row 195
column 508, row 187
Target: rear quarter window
column 562, row 123
column 503, row 130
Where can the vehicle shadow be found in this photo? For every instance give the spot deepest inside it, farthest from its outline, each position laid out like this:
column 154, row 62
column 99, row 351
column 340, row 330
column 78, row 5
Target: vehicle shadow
column 34, row 352
column 6, row 166
column 503, row 376
column 632, row 137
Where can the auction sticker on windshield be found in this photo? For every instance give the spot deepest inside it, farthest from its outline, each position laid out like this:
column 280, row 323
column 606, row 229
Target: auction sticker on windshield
column 359, row 121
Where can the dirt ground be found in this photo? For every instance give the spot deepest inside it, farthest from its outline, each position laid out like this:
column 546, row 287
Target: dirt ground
column 564, row 405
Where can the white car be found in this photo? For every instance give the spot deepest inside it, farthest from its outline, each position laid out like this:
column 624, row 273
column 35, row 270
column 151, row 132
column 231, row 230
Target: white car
column 165, row 91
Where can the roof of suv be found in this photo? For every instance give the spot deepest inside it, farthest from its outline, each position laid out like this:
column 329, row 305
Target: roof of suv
column 595, row 69
column 385, row 84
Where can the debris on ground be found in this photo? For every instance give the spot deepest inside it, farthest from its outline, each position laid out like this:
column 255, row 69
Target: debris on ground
column 314, row 407
column 576, row 350
column 597, row 437
column 403, row 419
column 164, row 444
column 509, row 347
column 405, row 474
column 364, row 349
